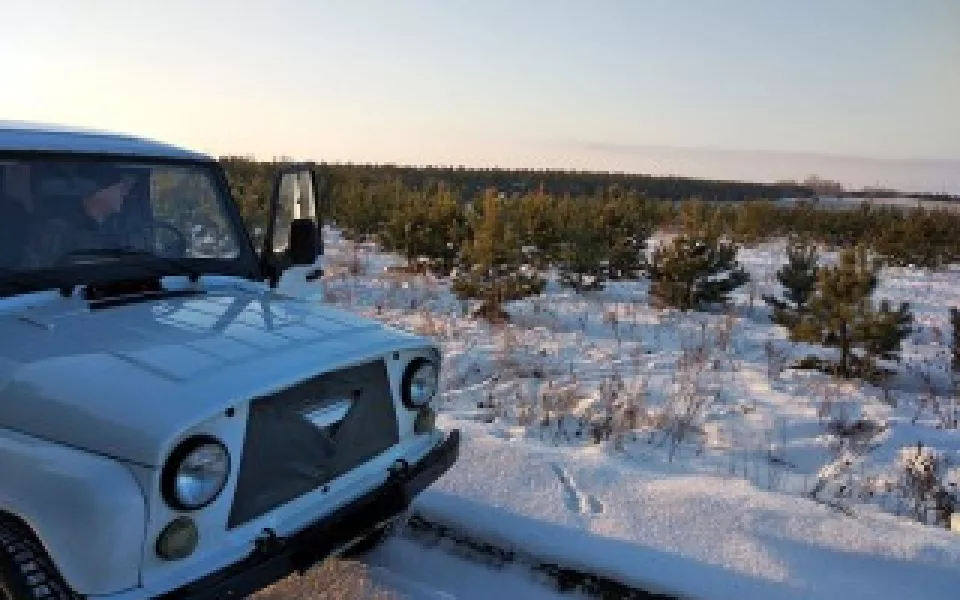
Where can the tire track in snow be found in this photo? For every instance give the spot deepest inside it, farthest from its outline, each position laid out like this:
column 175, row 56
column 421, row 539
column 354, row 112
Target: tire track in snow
column 412, row 587
column 576, row 500
column 562, row 578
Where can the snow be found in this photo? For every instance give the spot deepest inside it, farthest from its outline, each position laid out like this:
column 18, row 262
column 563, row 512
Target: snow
column 722, row 515
column 413, row 571
column 698, row 535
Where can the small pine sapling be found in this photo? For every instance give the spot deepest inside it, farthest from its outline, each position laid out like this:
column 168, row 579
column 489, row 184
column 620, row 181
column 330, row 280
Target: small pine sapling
column 692, row 273
column 799, row 280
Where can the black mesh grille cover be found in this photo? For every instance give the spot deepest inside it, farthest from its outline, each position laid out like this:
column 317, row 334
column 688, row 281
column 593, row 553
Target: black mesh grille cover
column 285, row 455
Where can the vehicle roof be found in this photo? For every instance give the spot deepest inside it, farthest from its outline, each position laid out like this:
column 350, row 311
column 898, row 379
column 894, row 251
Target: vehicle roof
column 30, row 136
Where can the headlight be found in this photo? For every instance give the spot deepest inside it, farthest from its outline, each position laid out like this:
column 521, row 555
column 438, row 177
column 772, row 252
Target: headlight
column 420, row 383
column 195, row 473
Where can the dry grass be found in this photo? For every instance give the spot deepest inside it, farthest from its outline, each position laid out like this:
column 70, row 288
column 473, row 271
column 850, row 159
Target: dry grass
column 354, row 260
column 432, row 326
column 332, row 580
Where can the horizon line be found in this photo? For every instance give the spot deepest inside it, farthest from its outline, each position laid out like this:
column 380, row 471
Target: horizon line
column 585, row 171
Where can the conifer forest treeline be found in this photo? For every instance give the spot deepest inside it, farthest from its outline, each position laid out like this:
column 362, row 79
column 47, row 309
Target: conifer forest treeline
column 498, row 233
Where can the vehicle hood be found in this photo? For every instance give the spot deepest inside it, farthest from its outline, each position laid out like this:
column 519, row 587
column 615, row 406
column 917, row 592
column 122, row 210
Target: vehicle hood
column 126, row 381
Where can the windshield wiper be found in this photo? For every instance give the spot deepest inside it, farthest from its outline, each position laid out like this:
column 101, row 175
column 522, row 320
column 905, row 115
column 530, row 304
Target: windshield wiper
column 127, row 289
column 155, row 267
column 113, row 252
column 172, row 264
column 18, row 281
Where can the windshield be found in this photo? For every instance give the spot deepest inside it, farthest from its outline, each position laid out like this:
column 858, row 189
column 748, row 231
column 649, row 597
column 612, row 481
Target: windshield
column 63, row 216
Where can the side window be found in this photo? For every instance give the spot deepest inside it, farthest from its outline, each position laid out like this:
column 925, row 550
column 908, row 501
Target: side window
column 186, row 200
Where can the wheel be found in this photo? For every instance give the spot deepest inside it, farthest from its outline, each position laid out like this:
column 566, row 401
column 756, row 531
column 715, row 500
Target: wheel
column 26, row 572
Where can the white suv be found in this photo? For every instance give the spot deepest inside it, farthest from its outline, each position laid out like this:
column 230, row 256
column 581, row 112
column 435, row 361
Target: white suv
column 174, row 424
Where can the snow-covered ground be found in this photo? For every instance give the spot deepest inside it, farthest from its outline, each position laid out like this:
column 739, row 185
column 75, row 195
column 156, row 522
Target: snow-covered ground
column 567, row 414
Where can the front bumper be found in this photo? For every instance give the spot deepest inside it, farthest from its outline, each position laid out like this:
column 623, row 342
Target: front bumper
column 275, row 558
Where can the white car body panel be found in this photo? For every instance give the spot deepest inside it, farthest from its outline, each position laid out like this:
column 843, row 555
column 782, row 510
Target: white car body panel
column 23, row 136
column 88, row 511
column 220, row 548
column 125, row 383
column 88, row 382
column 93, row 382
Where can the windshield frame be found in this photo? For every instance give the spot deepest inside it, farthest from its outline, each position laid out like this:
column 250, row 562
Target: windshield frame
column 245, row 265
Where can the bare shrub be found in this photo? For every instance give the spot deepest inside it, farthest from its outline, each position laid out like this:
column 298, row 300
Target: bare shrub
column 753, row 288
column 459, row 370
column 505, row 359
column 694, row 353
column 431, row 325
column 723, row 333
column 828, row 394
column 558, row 404
column 561, row 400
column 851, row 437
column 836, row 485
column 352, row 260
column 686, row 407
column 922, row 481
column 611, row 318
column 619, row 410
column 778, row 358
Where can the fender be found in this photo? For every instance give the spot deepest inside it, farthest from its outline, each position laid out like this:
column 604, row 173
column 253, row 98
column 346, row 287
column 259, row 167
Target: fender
column 88, row 511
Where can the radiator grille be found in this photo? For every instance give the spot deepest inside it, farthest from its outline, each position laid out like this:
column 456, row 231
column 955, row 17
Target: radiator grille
column 303, row 437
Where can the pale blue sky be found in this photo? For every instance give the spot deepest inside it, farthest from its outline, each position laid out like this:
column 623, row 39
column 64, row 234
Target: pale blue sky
column 650, row 86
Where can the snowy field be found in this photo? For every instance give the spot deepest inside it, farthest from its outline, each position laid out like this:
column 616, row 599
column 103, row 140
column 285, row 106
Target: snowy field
column 674, row 452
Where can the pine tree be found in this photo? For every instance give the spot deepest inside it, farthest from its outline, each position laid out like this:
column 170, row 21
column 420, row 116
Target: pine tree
column 799, row 280
column 582, row 252
column 490, row 268
column 582, row 259
column 693, row 272
column 883, row 333
column 696, row 218
column 753, row 221
column 625, row 227
column 540, row 229
column 445, row 231
column 842, row 316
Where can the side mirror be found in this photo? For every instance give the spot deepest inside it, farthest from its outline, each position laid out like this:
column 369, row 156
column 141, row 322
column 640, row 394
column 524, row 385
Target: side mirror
column 304, row 242
column 293, row 231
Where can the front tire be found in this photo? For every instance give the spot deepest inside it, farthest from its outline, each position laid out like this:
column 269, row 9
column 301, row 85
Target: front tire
column 26, row 572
